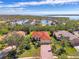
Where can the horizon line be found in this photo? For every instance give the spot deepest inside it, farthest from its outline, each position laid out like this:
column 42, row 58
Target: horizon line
column 44, row 15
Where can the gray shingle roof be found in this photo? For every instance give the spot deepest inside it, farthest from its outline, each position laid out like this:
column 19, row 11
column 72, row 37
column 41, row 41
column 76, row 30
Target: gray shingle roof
column 73, row 38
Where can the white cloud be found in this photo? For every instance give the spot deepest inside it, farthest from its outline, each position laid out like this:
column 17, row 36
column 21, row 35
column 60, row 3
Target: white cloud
column 14, row 11
column 9, row 9
column 39, row 3
column 19, row 4
column 24, row 11
column 47, row 2
column 62, row 1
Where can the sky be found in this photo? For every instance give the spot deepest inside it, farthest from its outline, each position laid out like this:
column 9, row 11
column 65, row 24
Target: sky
column 39, row 7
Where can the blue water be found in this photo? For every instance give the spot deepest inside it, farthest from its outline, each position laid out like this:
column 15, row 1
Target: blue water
column 71, row 17
column 74, row 17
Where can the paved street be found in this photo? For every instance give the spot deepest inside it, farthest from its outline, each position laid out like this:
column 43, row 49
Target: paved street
column 46, row 52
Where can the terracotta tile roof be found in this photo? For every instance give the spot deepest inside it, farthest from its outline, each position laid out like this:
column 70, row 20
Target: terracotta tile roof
column 41, row 34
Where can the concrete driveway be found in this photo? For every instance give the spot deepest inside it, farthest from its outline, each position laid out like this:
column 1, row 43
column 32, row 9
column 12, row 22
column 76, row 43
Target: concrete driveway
column 46, row 52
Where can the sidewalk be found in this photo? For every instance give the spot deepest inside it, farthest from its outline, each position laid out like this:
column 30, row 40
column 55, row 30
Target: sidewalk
column 30, row 58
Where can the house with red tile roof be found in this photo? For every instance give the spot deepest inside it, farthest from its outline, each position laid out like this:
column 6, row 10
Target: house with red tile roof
column 42, row 36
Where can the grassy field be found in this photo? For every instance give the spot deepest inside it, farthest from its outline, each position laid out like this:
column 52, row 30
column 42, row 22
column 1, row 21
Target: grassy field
column 33, row 52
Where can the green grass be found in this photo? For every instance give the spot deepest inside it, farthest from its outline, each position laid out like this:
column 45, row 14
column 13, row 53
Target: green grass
column 31, row 53
column 70, row 51
column 1, row 47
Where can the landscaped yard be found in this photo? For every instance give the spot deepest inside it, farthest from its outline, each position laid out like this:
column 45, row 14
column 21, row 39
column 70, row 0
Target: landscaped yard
column 71, row 51
column 33, row 52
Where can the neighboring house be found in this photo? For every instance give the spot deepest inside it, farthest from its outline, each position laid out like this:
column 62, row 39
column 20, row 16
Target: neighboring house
column 38, row 22
column 44, row 22
column 76, row 33
column 6, row 51
column 28, row 23
column 50, row 22
column 64, row 33
column 42, row 36
column 2, row 37
column 77, row 48
column 71, row 37
column 33, row 22
column 18, row 33
column 20, row 22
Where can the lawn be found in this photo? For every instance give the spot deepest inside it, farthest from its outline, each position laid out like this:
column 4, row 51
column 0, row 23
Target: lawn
column 0, row 46
column 31, row 53
column 69, row 50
